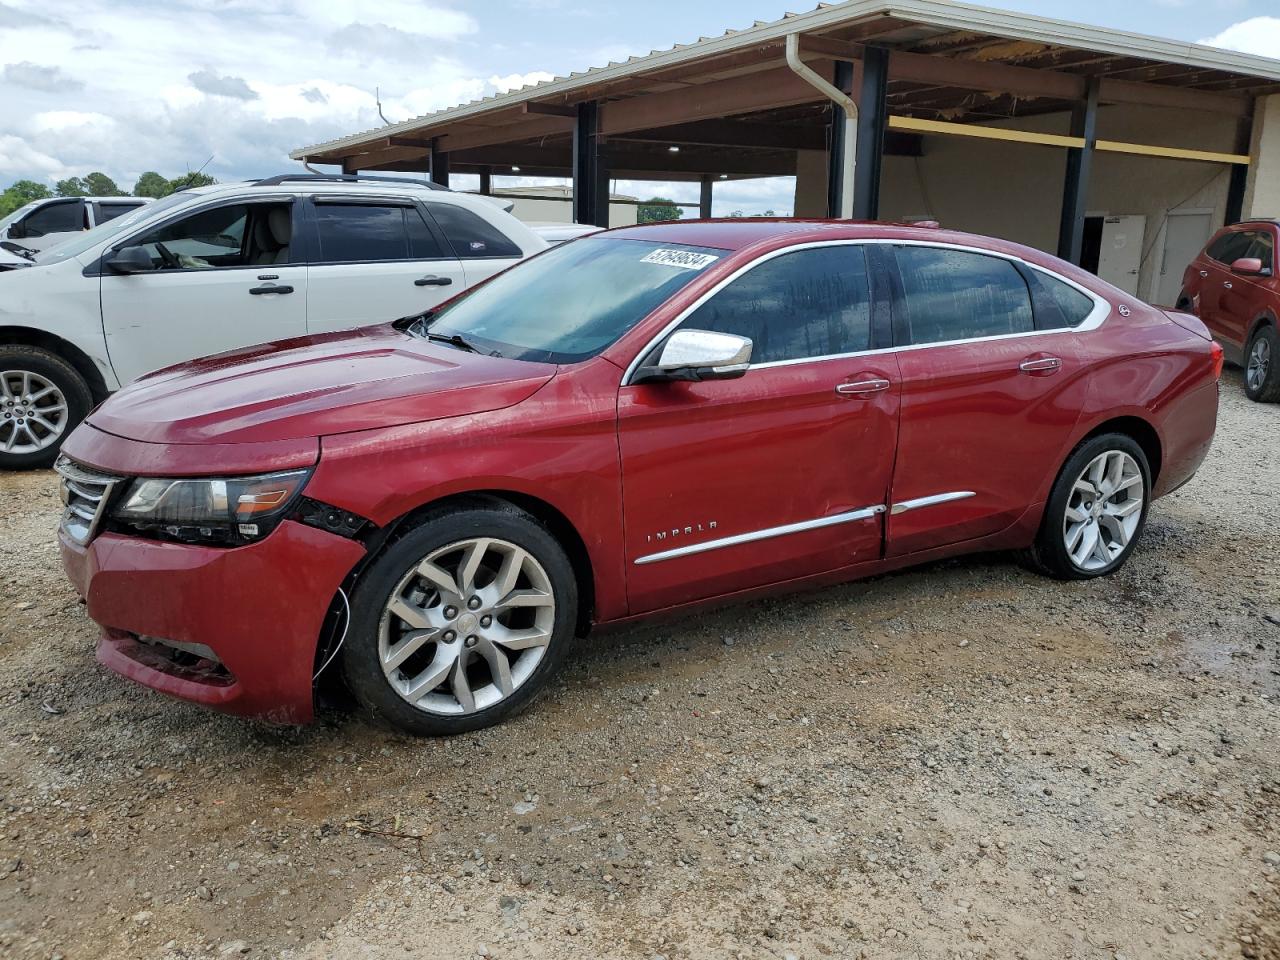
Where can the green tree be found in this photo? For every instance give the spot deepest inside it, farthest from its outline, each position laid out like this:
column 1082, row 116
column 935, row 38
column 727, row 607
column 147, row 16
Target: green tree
column 188, row 180
column 71, row 187
column 151, row 184
column 20, row 194
column 100, row 185
column 657, row 208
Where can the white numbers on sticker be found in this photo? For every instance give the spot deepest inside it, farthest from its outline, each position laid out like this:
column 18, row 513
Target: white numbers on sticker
column 684, row 259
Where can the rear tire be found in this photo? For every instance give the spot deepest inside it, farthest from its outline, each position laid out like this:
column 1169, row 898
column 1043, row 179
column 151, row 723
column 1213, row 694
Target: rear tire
column 1096, row 512
column 42, row 399
column 461, row 621
column 1262, row 366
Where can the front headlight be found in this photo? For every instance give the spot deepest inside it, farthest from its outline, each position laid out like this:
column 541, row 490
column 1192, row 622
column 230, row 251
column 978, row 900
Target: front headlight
column 228, row 510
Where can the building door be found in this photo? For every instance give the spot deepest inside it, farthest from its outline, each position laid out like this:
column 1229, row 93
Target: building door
column 1120, row 251
column 1185, row 234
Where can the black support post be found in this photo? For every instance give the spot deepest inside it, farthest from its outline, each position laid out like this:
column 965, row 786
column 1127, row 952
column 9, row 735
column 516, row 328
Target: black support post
column 439, row 165
column 1075, row 193
column 873, row 121
column 486, row 180
column 837, row 149
column 704, row 197
column 1239, row 183
column 590, row 170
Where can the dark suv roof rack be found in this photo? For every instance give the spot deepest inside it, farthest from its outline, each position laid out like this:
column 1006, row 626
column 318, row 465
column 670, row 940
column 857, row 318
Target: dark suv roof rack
column 343, row 178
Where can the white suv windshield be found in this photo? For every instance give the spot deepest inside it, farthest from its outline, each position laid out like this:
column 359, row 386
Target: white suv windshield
column 78, row 243
column 571, row 302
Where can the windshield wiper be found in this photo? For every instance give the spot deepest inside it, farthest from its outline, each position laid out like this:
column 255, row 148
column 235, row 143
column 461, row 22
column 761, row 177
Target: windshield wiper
column 453, row 339
column 19, row 249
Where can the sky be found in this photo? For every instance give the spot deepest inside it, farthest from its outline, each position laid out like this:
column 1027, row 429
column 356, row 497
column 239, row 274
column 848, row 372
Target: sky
column 231, row 86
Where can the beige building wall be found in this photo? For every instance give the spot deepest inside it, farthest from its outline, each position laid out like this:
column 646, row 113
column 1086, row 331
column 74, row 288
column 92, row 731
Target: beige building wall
column 1262, row 196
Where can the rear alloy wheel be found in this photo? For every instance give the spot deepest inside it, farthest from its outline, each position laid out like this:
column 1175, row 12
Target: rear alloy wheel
column 1096, row 511
column 473, row 612
column 1262, row 366
column 42, row 398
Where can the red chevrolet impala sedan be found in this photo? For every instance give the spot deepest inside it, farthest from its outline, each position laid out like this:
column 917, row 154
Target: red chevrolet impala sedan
column 643, row 420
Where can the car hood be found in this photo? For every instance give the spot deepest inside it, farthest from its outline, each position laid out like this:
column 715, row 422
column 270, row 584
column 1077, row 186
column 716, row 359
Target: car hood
column 316, row 386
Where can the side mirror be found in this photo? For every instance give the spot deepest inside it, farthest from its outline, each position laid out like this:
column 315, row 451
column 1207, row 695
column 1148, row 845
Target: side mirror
column 130, row 260
column 18, row 231
column 1249, row 266
column 699, row 355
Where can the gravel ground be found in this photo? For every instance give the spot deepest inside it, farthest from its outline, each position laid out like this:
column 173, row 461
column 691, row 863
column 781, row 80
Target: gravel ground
column 963, row 760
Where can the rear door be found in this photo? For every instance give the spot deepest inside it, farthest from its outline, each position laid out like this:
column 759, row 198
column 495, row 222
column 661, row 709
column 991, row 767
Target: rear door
column 1243, row 298
column 991, row 388
column 373, row 261
column 1215, row 272
column 735, row 484
column 224, row 276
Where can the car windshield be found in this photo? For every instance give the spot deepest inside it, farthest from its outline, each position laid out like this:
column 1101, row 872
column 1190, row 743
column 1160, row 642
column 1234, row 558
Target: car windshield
column 571, row 302
column 78, row 243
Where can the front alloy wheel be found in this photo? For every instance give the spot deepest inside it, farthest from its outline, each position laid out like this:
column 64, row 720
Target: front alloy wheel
column 466, row 627
column 33, row 412
column 1262, row 366
column 461, row 619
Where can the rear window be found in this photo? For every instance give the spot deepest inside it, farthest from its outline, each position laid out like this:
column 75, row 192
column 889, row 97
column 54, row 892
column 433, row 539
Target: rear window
column 1074, row 305
column 957, row 295
column 362, row 233
column 472, row 237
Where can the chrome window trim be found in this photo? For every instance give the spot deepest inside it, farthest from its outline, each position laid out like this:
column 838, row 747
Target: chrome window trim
column 850, row 516
column 930, row 501
column 1101, row 307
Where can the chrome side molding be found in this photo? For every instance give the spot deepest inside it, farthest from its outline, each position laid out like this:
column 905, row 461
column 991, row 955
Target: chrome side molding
column 932, row 501
column 851, row 516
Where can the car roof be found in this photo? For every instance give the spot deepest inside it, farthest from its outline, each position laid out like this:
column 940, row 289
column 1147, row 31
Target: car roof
column 304, row 186
column 737, row 234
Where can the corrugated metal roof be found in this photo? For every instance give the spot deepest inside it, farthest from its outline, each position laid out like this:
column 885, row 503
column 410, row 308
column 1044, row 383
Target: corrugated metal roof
column 827, row 17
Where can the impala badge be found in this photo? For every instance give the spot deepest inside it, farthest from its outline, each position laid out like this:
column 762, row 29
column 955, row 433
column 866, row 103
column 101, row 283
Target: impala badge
column 676, row 532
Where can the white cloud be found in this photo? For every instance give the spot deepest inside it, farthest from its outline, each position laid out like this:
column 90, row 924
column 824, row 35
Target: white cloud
column 216, row 85
column 1260, row 35
column 37, row 77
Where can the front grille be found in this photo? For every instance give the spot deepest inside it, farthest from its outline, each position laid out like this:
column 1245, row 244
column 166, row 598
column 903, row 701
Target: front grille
column 85, row 493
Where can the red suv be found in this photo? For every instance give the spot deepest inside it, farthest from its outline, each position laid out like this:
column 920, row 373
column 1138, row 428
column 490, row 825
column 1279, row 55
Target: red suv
column 1232, row 286
column 643, row 420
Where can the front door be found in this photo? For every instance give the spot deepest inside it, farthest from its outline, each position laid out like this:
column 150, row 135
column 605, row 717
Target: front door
column 1242, row 298
column 988, row 399
column 735, row 484
column 225, row 276
column 375, row 261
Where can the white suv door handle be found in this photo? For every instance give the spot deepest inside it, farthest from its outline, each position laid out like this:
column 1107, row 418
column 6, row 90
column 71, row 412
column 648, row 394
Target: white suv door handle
column 862, row 387
column 1041, row 363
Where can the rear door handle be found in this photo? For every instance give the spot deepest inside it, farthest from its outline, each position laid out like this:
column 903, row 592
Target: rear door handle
column 1040, row 364
column 862, row 388
column 433, row 281
column 270, row 288
column 1227, row 284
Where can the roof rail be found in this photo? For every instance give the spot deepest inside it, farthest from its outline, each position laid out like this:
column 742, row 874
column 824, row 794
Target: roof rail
column 343, row 178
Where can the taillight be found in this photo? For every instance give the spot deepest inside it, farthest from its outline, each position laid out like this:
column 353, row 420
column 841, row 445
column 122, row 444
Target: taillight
column 1216, row 352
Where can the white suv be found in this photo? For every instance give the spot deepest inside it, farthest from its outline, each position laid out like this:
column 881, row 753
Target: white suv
column 220, row 267
column 42, row 223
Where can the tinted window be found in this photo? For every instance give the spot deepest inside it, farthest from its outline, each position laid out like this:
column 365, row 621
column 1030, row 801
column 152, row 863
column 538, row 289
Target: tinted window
column 55, row 218
column 1230, row 247
column 1264, row 248
column 471, row 236
column 955, row 295
column 808, row 303
column 361, row 233
column 109, row 211
column 422, row 242
column 1074, row 305
column 574, row 300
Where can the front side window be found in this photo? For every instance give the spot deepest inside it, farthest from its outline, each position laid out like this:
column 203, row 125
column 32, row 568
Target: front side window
column 574, row 300
column 1263, row 248
column 235, row 235
column 55, row 218
column 1230, row 247
column 958, row 295
column 472, row 237
column 802, row 304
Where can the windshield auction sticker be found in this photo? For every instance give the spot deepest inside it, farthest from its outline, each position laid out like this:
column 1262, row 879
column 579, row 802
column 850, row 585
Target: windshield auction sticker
column 684, row 259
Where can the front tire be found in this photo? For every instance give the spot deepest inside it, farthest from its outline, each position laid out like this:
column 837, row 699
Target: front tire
column 42, row 399
column 461, row 621
column 1262, row 366
column 1096, row 512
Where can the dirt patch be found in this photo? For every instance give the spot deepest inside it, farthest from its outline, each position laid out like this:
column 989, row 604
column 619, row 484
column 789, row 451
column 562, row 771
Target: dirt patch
column 963, row 760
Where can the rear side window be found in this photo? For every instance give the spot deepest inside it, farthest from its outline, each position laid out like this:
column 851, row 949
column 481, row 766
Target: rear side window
column 472, row 237
column 1230, row 247
column 803, row 304
column 1074, row 305
column 362, row 233
column 109, row 211
column 56, row 218
column 957, row 295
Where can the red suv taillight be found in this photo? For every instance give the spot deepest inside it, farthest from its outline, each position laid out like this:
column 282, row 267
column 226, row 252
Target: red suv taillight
column 1216, row 349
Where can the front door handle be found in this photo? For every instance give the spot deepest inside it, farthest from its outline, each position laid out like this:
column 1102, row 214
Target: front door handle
column 1040, row 365
column 1204, row 273
column 862, row 388
column 270, row 288
column 433, row 281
